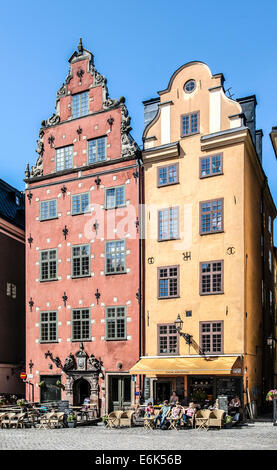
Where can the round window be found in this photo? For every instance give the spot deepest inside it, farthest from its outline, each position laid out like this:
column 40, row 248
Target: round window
column 190, row 86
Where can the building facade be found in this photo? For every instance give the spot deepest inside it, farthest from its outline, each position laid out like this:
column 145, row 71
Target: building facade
column 208, row 244
column 12, row 292
column 83, row 252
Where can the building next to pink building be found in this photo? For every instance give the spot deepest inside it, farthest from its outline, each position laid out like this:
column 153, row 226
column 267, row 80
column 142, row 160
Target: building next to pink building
column 82, row 247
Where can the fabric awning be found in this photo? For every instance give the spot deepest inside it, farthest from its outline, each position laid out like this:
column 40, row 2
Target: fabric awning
column 187, row 365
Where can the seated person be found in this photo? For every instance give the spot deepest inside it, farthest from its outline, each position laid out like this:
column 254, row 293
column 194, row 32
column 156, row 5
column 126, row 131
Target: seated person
column 163, row 414
column 176, row 411
column 235, row 405
column 173, row 398
column 150, row 410
column 189, row 413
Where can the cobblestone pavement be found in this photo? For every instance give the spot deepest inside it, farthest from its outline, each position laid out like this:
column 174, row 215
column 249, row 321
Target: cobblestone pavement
column 260, row 436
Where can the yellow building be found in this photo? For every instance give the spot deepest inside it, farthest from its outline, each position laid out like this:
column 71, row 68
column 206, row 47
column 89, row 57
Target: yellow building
column 207, row 258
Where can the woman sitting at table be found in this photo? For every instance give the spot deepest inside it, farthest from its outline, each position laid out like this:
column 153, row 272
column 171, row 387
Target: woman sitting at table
column 189, row 413
column 163, row 414
column 150, row 410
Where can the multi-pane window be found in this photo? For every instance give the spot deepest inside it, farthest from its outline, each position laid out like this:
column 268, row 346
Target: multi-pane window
column 168, row 282
column 210, row 166
column 167, row 339
column 81, row 324
column 211, row 337
column 97, row 150
column 48, row 265
column 115, row 257
column 167, row 175
column 48, row 209
column 211, row 277
column 115, row 197
column 211, row 216
column 64, row 158
column 80, row 261
column 168, row 224
column 80, row 103
column 190, row 124
column 48, row 326
column 79, row 203
column 115, row 323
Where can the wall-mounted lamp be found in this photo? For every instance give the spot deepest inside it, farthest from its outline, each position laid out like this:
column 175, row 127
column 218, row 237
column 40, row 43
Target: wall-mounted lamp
column 178, row 326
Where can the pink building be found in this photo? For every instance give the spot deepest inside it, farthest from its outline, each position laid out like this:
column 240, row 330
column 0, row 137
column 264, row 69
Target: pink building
column 82, row 247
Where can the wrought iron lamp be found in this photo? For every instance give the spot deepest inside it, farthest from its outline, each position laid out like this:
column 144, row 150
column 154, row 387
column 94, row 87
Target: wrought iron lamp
column 178, row 326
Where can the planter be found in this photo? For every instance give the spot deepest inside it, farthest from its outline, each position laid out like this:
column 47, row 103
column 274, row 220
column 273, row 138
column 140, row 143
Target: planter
column 228, row 426
column 71, row 424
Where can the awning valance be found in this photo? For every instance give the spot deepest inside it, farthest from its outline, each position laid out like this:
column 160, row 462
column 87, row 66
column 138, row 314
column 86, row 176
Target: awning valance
column 188, row 366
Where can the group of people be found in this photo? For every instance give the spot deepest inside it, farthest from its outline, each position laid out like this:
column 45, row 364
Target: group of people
column 173, row 409
column 170, row 411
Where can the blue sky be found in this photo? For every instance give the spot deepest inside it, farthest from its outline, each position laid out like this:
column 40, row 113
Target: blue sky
column 137, row 45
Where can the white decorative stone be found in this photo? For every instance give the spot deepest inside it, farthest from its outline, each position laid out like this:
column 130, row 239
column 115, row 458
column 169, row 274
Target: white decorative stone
column 93, row 338
column 68, row 322
column 37, row 218
column 114, row 178
column 102, row 338
column 37, row 340
column 37, row 263
column 37, row 309
column 127, row 182
column 37, row 199
column 75, row 154
column 92, row 188
column 102, row 320
column 80, row 302
column 102, row 273
column 102, row 304
column 37, row 324
column 115, row 299
column 68, row 244
column 128, row 319
column 59, row 323
column 68, row 276
column 59, row 245
column 80, row 185
column 129, row 338
column 128, row 302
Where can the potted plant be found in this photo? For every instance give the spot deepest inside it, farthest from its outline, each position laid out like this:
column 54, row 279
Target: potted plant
column 42, row 384
column 21, row 402
column 71, row 420
column 105, row 419
column 271, row 395
column 60, row 385
column 228, row 421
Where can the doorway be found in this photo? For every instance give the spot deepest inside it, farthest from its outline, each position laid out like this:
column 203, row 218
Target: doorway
column 163, row 391
column 119, row 392
column 81, row 390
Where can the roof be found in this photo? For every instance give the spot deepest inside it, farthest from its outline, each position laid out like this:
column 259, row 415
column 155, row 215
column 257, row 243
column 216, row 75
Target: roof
column 12, row 207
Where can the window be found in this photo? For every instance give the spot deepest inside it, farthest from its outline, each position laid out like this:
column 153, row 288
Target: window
column 190, row 86
column 168, row 224
column 64, row 158
column 48, row 265
column 211, row 216
column 48, row 327
column 190, row 124
column 270, row 260
column 115, row 257
column 167, row 340
column 79, row 203
column 211, row 166
column 168, row 282
column 115, row 197
column 115, row 323
column 80, row 264
column 48, row 209
column 168, row 174
column 97, row 150
column 211, row 337
column 81, row 324
column 80, row 104
column 211, row 278
column 11, row 290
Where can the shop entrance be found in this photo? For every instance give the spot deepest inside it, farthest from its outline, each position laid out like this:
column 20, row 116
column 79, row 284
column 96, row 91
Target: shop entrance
column 162, row 390
column 81, row 390
column 119, row 392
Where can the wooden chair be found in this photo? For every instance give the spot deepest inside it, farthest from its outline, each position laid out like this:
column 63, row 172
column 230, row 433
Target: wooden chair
column 2, row 416
column 56, row 421
column 216, row 418
column 148, row 422
column 202, row 419
column 175, row 421
column 17, row 420
column 44, row 421
column 113, row 420
column 5, row 423
column 126, row 419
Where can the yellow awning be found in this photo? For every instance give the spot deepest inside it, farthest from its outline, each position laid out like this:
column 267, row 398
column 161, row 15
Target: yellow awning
column 187, row 365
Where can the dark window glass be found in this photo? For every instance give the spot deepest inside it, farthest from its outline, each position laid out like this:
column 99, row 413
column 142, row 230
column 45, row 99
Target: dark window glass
column 167, row 339
column 168, row 279
column 211, row 275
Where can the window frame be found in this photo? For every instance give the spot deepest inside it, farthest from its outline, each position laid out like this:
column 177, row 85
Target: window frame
column 115, row 188
column 48, row 201
column 79, row 195
column 58, row 149
column 97, row 139
column 48, row 261
column 88, row 320
column 167, row 335
column 80, row 257
column 210, row 157
column 48, row 323
column 116, row 338
column 168, row 209
column 201, row 232
column 167, row 167
column 175, row 296
column 107, row 273
column 198, row 124
column 80, row 104
column 211, row 333
column 210, row 274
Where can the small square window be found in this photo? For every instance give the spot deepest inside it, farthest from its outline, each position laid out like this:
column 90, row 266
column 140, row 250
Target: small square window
column 188, row 313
